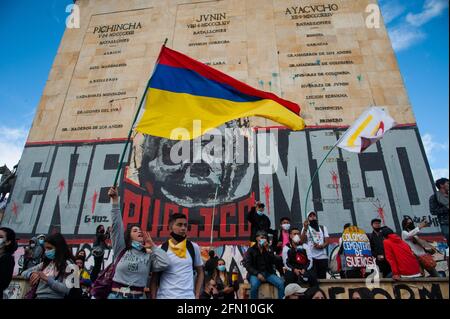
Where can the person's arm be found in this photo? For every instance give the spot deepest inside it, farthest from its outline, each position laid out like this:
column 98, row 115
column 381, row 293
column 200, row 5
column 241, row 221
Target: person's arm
column 159, row 259
column 303, row 234
column 251, row 215
column 248, row 264
column 284, row 255
column 27, row 273
column 410, row 234
column 154, row 283
column 199, row 281
column 6, row 271
column 58, row 286
column 117, row 230
column 326, row 237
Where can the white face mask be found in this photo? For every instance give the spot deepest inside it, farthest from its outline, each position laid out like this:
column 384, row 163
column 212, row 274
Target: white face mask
column 296, row 239
column 286, row 226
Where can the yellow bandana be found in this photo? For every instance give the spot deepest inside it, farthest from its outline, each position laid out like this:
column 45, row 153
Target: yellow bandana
column 178, row 249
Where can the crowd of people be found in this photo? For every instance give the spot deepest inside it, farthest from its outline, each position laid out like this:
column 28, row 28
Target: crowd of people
column 293, row 259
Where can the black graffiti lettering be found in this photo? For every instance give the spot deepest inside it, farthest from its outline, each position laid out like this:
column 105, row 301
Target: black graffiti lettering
column 435, row 292
column 398, row 292
column 334, row 291
column 379, row 291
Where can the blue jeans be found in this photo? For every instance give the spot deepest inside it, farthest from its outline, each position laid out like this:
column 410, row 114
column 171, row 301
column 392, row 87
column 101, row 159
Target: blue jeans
column 118, row 295
column 272, row 279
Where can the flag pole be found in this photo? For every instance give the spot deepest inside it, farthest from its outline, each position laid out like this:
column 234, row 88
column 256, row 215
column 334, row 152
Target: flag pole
column 314, row 176
column 122, row 157
column 213, row 214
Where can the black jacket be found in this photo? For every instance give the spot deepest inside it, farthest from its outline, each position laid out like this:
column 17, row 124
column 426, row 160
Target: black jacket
column 6, row 271
column 439, row 210
column 297, row 259
column 256, row 262
column 258, row 223
column 376, row 243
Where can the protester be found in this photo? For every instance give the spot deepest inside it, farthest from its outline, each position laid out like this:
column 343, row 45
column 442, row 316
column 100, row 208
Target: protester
column 81, row 253
column 318, row 240
column 281, row 239
column 211, row 263
column 347, row 272
column 258, row 220
column 33, row 254
column 48, row 279
column 362, row 293
column 400, row 256
column 224, row 281
column 260, row 263
column 439, row 205
column 177, row 281
column 41, row 240
column 298, row 262
column 8, row 246
column 294, row 291
column 137, row 256
column 85, row 277
column 410, row 236
column 315, row 293
column 98, row 250
column 377, row 246
column 211, row 291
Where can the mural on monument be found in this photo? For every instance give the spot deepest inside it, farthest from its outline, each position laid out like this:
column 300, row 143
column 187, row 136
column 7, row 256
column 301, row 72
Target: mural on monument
column 64, row 187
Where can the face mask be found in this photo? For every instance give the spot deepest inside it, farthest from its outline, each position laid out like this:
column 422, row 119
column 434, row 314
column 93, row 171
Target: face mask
column 259, row 213
column 286, row 226
column 314, row 224
column 296, row 239
column 32, row 245
column 221, row 268
column 178, row 238
column 136, row 245
column 2, row 242
column 41, row 242
column 262, row 241
column 50, row 254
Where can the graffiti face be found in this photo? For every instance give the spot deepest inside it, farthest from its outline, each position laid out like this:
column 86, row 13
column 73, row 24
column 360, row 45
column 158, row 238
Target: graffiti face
column 202, row 178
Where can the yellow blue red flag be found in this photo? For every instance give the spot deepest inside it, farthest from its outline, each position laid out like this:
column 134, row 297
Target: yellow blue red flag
column 183, row 90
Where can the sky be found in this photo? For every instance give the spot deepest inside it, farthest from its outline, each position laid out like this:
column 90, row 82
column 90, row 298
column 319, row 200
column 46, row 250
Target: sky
column 31, row 31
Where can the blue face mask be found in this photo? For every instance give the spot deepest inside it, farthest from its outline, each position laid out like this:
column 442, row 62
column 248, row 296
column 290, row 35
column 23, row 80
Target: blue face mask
column 50, row 254
column 136, row 245
column 41, row 242
column 221, row 268
column 262, row 241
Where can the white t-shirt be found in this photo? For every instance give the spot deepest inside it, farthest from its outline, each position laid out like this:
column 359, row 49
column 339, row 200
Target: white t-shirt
column 177, row 281
column 319, row 239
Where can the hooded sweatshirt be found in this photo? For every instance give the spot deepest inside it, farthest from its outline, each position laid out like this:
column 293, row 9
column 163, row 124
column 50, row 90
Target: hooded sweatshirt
column 400, row 256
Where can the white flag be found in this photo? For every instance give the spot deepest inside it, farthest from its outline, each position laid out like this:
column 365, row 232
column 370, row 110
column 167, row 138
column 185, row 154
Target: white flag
column 369, row 128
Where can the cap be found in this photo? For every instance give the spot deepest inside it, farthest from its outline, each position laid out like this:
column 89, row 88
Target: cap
column 293, row 289
column 375, row 220
column 312, row 212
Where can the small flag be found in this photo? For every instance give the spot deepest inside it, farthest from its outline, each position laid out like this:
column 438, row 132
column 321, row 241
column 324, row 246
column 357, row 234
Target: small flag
column 368, row 129
column 183, row 90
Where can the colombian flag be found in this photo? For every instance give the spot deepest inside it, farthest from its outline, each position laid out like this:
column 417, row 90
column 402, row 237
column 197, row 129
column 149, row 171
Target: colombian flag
column 182, row 90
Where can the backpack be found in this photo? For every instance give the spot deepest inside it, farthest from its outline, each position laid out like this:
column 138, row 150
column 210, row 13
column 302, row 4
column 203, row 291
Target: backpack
column 102, row 286
column 190, row 248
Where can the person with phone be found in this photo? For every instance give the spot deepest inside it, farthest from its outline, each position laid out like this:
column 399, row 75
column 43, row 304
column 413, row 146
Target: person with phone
column 422, row 251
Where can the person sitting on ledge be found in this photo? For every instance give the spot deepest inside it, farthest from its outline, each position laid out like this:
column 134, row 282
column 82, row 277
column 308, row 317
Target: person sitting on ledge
column 260, row 263
column 400, row 256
